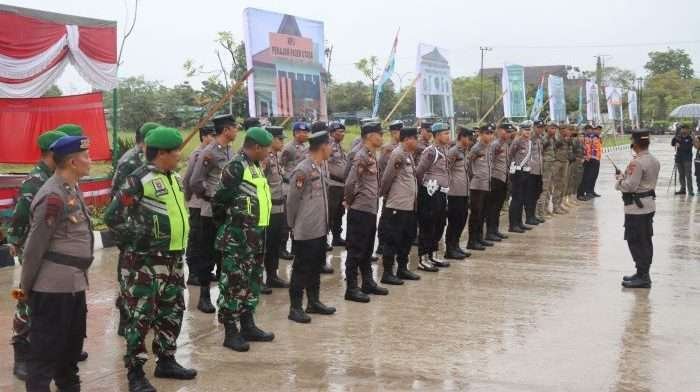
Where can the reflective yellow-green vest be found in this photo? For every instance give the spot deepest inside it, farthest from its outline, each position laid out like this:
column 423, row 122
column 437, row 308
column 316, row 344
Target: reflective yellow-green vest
column 255, row 186
column 164, row 200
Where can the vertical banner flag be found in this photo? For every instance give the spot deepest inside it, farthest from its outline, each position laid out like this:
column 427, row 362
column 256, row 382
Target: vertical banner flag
column 513, row 85
column 613, row 97
column 580, row 117
column 539, row 101
column 557, row 99
column 632, row 108
column 388, row 71
column 592, row 102
column 286, row 54
column 434, row 84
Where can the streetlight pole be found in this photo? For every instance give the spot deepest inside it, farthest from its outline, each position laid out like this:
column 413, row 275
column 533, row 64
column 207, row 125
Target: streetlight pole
column 483, row 50
column 639, row 98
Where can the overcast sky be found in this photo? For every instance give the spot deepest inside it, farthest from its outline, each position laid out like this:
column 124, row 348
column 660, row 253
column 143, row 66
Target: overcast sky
column 535, row 32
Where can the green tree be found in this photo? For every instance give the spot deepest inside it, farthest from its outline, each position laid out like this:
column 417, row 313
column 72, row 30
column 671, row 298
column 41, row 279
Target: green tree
column 369, row 67
column 663, row 92
column 348, row 97
column 465, row 93
column 53, row 91
column 671, row 60
column 138, row 102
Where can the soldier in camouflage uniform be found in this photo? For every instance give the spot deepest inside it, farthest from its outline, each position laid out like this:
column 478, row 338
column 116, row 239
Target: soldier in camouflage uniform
column 131, row 160
column 150, row 218
column 17, row 235
column 549, row 167
column 577, row 165
column 244, row 201
column 561, row 155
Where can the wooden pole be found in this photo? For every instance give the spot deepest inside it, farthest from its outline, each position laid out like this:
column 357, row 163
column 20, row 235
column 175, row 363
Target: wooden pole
column 215, row 107
column 492, row 107
column 286, row 120
column 403, row 96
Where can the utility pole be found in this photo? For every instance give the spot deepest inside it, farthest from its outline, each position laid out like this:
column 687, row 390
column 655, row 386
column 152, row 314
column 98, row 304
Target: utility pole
column 639, row 98
column 483, row 50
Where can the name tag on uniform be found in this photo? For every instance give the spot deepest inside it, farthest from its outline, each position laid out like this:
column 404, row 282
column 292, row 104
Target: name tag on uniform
column 159, row 187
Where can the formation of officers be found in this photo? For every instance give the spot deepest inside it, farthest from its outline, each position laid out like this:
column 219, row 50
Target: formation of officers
column 233, row 213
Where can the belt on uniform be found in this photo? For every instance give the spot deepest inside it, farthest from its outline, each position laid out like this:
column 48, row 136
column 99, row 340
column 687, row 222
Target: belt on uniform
column 73, row 261
column 277, row 202
column 632, row 197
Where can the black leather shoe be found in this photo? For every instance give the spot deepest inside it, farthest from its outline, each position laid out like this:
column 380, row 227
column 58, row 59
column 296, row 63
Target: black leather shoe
column 251, row 332
column 486, row 243
column 21, row 349
column 298, row 315
column 524, row 227
column 501, row 235
column 424, row 264
column 204, row 304
column 356, row 295
column 405, row 274
column 532, row 221
column 464, row 252
column 138, row 381
column 167, row 367
column 493, row 237
column 453, row 253
column 627, row 278
column 265, row 290
column 515, row 229
column 374, row 289
column 326, row 269
column 233, row 339
column 276, row 282
column 389, row 278
column 437, row 262
column 284, row 254
column 681, row 192
column 640, row 282
column 83, row 356
column 338, row 241
column 475, row 246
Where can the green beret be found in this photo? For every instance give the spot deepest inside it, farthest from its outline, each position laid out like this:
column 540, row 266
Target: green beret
column 70, row 129
column 163, row 138
column 259, row 136
column 47, row 138
column 147, row 127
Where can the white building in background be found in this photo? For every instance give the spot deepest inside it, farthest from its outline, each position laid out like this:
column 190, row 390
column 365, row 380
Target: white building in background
column 434, row 95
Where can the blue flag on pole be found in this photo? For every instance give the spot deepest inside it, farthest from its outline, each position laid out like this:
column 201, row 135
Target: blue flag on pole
column 580, row 117
column 388, row 71
column 539, row 101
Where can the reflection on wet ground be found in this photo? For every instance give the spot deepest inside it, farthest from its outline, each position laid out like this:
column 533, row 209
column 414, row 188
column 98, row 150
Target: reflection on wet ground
column 542, row 311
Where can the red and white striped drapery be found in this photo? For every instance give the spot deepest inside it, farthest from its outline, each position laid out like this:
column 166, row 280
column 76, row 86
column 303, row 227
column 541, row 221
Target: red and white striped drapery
column 36, row 46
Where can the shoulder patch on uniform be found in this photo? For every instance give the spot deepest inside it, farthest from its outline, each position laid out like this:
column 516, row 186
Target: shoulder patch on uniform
column 54, row 205
column 159, row 187
column 205, row 159
column 300, row 181
column 630, row 168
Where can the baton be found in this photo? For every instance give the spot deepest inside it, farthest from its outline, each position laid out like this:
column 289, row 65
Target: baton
column 617, row 170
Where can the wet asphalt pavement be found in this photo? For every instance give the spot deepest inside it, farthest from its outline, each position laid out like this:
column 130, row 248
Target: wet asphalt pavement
column 542, row 311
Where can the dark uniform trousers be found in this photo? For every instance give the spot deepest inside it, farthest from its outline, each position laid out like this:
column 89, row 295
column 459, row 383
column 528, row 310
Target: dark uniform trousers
column 457, row 213
column 638, row 233
column 477, row 204
column 532, row 194
column 58, row 323
column 697, row 172
column 432, row 217
column 361, row 228
column 193, row 254
column 273, row 233
column 494, row 204
column 518, row 183
column 591, row 168
column 309, row 258
column 336, row 210
column 284, row 232
column 397, row 230
column 208, row 255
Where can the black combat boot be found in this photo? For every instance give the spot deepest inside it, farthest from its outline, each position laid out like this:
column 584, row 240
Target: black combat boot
column 251, row 332
column 314, row 305
column 525, row 227
column 485, row 243
column 475, row 245
column 532, row 221
column 627, row 278
column 493, row 237
column 275, row 282
column 501, row 235
column 642, row 281
column 437, row 262
column 424, row 264
column 516, row 229
column 388, row 276
column 452, row 251
column 138, row 381
column 167, row 367
column 21, row 349
column 233, row 339
column 403, row 273
column 369, row 286
column 352, row 293
column 204, row 304
column 462, row 251
column 296, row 313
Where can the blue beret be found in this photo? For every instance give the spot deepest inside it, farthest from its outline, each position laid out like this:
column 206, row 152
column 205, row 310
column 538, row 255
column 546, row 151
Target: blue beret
column 300, row 126
column 439, row 127
column 396, row 125
column 70, row 144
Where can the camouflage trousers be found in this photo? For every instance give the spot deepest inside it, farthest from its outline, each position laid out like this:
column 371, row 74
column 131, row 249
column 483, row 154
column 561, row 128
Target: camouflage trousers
column 20, row 320
column 152, row 295
column 241, row 271
column 575, row 176
column 548, row 169
column 559, row 183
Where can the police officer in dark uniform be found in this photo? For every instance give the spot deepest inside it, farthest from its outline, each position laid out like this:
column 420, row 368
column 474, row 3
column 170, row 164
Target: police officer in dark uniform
column 479, row 186
column 458, row 196
column 638, row 184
